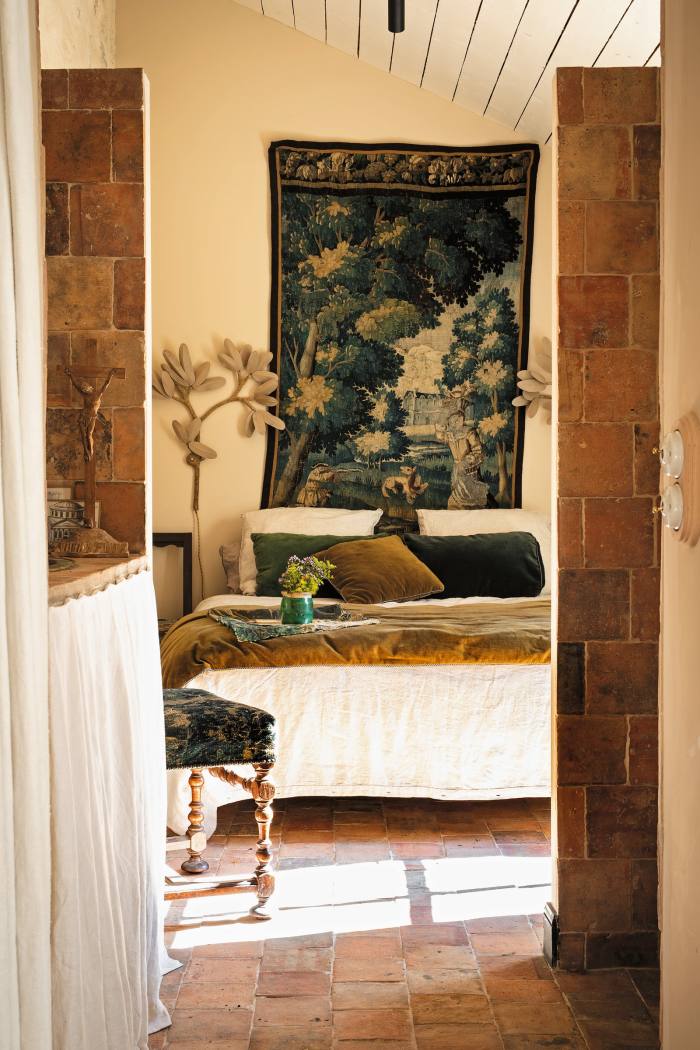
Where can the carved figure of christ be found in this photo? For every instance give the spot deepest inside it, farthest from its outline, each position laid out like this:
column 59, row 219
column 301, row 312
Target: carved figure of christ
column 91, row 384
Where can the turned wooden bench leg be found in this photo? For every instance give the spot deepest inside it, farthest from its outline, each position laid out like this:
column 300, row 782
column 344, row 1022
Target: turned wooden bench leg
column 197, row 840
column 263, row 791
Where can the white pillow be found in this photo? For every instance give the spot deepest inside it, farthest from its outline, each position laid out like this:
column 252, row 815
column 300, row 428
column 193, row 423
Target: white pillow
column 471, row 522
column 306, row 521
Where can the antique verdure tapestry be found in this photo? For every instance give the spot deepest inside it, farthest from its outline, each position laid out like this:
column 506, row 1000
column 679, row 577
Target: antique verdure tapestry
column 399, row 321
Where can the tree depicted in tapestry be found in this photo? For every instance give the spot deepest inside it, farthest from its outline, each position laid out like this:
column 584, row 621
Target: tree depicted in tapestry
column 399, row 322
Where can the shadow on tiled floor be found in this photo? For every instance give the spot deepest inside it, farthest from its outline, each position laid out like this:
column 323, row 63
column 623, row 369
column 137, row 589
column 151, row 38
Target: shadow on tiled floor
column 401, row 925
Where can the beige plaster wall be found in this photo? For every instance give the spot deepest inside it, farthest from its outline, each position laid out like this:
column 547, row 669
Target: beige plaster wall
column 680, row 606
column 224, row 83
column 77, row 34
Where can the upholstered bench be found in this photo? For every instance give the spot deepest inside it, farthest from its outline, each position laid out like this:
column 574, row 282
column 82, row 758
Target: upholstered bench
column 202, row 731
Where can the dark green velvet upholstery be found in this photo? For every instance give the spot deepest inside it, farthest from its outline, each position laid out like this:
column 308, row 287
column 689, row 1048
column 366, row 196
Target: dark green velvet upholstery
column 203, row 730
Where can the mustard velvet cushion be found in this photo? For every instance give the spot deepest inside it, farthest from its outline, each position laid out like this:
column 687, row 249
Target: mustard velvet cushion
column 370, row 571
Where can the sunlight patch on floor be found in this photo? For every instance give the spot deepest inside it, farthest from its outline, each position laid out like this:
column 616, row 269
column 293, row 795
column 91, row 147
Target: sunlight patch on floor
column 372, row 896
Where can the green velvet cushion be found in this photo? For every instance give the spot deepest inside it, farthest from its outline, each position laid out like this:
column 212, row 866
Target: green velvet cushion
column 203, row 730
column 496, row 565
column 274, row 549
column 379, row 570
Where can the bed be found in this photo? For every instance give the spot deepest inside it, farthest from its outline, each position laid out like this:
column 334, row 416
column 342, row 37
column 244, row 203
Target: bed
column 476, row 728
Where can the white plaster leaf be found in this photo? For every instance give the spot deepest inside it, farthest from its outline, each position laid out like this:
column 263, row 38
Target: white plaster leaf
column 202, row 450
column 273, row 421
column 175, row 368
column 262, row 376
column 186, row 364
column 180, row 431
column 213, row 383
column 268, row 385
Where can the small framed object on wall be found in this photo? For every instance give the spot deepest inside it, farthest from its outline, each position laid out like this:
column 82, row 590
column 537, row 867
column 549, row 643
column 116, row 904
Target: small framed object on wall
column 172, row 605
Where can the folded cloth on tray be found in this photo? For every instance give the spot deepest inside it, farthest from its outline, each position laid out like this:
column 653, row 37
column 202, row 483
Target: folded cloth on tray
column 462, row 634
column 251, row 627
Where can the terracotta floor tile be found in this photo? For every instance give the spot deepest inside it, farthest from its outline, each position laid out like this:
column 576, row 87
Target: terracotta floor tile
column 220, row 971
column 611, row 1035
column 397, row 833
column 297, row 1038
column 534, row 849
column 516, row 838
column 421, row 914
column 543, row 1042
column 522, row 991
column 466, row 825
column 372, row 1044
column 428, row 957
column 377, row 995
column 362, row 945
column 619, row 1008
column 277, row 960
column 455, row 849
column 417, row 850
column 372, row 1024
column 210, row 1025
column 205, row 995
column 303, row 1010
column 450, row 1009
column 498, row 924
column 501, row 825
column 518, row 943
column 369, row 969
column 445, row 982
column 457, row 1037
column 357, row 852
column 359, row 833
column 302, row 851
column 595, row 985
column 520, row 967
column 469, row 838
column 308, row 835
column 538, row 1018
column 303, row 940
column 197, row 1044
column 230, row 950
column 292, row 984
column 442, row 933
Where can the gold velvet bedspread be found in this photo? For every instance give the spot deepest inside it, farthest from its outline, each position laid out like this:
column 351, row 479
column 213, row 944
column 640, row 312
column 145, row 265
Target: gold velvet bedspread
column 430, row 634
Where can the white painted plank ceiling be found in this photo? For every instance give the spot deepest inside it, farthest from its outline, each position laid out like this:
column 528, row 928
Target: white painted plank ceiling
column 496, row 57
column 343, row 24
column 376, row 43
column 310, row 18
column 452, row 31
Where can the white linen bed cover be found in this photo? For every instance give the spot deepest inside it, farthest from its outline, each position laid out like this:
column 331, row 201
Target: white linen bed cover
column 470, row 731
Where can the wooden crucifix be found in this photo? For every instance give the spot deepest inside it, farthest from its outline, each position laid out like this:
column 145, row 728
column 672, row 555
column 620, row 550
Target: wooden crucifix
column 89, row 540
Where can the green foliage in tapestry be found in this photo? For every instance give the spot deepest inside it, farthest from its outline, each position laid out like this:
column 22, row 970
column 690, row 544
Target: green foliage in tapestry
column 360, row 273
column 479, row 368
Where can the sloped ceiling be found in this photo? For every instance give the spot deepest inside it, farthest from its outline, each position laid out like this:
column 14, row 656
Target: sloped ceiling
column 495, row 57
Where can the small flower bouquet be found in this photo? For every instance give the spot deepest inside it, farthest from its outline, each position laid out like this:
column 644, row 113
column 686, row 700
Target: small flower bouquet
column 300, row 581
column 305, row 575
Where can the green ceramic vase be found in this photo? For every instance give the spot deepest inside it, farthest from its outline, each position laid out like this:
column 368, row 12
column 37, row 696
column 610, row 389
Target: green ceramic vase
column 297, row 608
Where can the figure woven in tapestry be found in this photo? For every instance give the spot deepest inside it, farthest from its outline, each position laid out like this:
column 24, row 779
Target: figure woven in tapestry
column 400, row 308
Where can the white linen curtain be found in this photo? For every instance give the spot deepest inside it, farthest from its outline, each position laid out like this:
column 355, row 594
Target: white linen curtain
column 25, row 895
column 108, row 800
